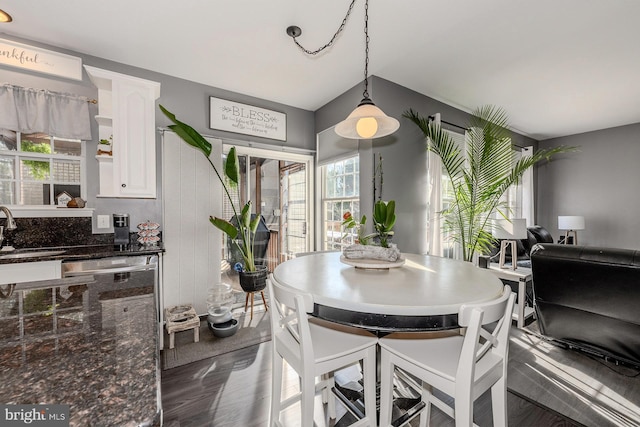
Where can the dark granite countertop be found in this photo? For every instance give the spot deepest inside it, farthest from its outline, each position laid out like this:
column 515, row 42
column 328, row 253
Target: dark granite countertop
column 91, row 345
column 80, row 252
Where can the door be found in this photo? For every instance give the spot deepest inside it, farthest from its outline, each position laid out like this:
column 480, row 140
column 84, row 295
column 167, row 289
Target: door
column 279, row 186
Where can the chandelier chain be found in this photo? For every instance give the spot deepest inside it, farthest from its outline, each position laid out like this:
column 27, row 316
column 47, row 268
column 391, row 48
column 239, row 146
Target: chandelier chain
column 344, row 22
column 365, row 94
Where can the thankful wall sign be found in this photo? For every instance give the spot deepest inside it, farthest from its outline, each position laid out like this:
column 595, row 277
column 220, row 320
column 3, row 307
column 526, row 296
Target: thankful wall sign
column 41, row 60
column 246, row 119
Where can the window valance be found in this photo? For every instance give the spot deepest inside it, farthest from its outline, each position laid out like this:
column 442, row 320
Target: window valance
column 33, row 110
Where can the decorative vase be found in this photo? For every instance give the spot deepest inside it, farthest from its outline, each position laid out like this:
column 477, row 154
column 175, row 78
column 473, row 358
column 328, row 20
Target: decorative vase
column 254, row 281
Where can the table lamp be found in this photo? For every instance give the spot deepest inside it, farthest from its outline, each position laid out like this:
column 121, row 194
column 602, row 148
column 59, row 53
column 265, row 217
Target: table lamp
column 508, row 232
column 571, row 224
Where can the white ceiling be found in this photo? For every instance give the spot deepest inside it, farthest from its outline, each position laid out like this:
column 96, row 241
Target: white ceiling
column 558, row 67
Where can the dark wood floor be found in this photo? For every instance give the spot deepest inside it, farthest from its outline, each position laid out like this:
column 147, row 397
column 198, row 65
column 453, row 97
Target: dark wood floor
column 233, row 390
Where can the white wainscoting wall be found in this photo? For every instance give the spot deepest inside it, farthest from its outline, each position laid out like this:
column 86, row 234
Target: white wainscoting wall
column 191, row 193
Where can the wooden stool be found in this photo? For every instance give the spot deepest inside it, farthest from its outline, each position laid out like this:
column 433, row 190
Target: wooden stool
column 181, row 318
column 252, row 296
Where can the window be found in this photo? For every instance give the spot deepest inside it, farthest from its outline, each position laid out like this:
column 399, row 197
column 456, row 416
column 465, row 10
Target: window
column 514, row 199
column 36, row 168
column 340, row 193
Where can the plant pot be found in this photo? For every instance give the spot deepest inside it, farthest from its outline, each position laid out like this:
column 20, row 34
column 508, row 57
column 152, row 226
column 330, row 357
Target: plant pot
column 254, row 281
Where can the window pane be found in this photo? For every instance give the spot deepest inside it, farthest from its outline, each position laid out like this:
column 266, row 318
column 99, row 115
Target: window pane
column 330, row 187
column 348, row 166
column 349, row 188
column 34, row 169
column 69, row 148
column 6, row 168
column 7, row 193
column 66, row 170
column 8, row 140
column 35, row 143
column 35, row 193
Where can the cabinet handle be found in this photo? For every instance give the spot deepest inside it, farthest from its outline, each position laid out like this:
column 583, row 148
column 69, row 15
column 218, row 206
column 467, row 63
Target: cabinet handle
column 124, row 185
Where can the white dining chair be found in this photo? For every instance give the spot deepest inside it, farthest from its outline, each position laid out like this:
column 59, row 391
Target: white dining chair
column 315, row 350
column 461, row 365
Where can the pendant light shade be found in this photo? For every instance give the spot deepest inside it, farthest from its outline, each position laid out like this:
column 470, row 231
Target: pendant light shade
column 367, row 122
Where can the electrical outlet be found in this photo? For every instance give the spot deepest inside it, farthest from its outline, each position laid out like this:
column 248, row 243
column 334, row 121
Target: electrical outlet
column 103, row 221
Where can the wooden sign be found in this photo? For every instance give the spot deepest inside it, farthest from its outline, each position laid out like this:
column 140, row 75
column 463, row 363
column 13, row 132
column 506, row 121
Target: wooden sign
column 41, row 60
column 246, row 119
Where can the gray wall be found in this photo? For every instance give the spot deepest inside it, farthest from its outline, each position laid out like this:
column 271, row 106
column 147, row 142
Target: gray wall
column 189, row 101
column 404, row 154
column 599, row 182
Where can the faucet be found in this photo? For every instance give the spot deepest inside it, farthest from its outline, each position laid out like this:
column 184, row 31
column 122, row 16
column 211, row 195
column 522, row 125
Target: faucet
column 11, row 223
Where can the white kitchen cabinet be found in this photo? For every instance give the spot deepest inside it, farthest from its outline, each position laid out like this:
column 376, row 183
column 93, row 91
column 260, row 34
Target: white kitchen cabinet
column 30, row 271
column 126, row 112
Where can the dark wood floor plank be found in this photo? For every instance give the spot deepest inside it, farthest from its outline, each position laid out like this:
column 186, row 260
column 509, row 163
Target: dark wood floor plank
column 234, row 389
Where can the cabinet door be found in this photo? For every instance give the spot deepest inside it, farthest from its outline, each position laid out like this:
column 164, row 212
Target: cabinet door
column 134, row 145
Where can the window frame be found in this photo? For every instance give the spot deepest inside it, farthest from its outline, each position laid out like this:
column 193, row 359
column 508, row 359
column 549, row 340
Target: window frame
column 325, row 200
column 18, row 155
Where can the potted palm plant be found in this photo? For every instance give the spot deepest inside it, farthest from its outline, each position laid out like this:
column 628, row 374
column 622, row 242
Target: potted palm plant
column 480, row 174
column 252, row 276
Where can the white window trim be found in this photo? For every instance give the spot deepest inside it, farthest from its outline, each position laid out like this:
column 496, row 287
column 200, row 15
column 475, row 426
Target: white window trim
column 44, row 211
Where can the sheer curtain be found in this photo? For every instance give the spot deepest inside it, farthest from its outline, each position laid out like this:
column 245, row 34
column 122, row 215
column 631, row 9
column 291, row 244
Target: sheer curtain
column 528, row 204
column 33, row 110
column 434, row 203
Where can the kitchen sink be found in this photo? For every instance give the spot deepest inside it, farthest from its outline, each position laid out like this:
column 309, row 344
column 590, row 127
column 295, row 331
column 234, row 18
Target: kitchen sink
column 31, row 254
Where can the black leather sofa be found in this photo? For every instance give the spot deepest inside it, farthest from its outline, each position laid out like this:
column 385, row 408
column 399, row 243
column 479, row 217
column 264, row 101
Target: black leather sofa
column 588, row 298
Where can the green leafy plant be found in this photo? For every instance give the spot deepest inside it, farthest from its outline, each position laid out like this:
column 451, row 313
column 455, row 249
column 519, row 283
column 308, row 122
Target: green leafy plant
column 39, row 168
column 242, row 235
column 350, row 222
column 480, row 174
column 384, row 218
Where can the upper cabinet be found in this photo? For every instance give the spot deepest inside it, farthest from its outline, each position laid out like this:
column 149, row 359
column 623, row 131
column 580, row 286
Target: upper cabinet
column 126, row 118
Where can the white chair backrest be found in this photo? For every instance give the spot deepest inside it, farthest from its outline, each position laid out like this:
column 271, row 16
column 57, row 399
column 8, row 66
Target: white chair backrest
column 478, row 340
column 289, row 322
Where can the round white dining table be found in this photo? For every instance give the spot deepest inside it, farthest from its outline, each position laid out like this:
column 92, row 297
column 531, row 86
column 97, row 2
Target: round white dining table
column 423, row 294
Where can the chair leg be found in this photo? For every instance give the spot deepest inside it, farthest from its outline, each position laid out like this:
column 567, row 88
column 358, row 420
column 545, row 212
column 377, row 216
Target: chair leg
column 499, row 402
column 276, row 389
column 425, row 415
column 463, row 411
column 327, row 395
column 386, row 389
column 308, row 390
column 369, row 373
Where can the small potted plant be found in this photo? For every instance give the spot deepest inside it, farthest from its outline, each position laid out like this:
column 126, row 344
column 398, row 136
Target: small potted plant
column 384, row 218
column 252, row 277
column 104, row 146
column 375, row 245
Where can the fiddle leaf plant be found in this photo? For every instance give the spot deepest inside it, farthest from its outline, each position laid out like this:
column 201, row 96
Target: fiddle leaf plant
column 242, row 234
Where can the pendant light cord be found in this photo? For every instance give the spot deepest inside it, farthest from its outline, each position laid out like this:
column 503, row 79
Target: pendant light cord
column 344, row 22
column 365, row 94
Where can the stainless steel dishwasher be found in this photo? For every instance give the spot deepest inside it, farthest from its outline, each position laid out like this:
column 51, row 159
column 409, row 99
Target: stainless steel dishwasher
column 121, row 267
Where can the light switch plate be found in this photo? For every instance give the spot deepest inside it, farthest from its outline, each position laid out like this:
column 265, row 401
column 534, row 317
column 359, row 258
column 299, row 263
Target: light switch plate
column 103, row 221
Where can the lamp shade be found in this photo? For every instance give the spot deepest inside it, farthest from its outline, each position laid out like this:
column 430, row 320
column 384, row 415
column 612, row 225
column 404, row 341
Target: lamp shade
column 570, row 222
column 367, row 122
column 515, row 229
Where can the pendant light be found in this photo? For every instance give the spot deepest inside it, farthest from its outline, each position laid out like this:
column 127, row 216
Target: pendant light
column 367, row 121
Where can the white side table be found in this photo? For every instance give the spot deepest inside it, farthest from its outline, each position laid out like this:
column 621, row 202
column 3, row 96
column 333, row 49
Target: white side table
column 522, row 275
